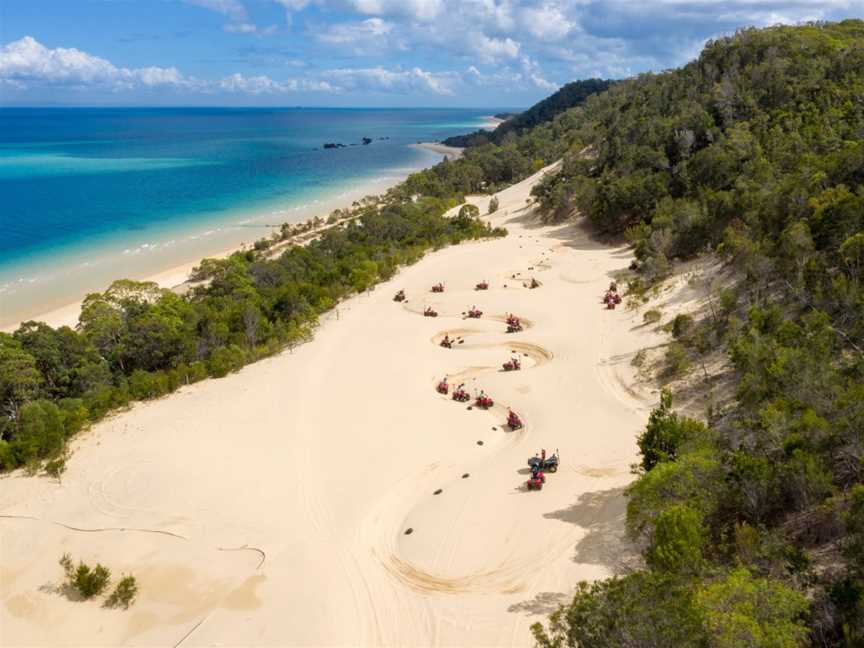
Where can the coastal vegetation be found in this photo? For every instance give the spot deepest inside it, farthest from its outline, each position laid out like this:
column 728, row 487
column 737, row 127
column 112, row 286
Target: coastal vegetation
column 136, row 341
column 751, row 523
column 88, row 582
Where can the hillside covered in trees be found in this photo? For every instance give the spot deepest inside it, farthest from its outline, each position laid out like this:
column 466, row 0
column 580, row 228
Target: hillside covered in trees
column 752, row 522
column 568, row 96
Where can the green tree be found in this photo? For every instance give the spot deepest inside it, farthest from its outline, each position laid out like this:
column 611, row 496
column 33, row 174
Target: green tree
column 679, row 538
column 742, row 610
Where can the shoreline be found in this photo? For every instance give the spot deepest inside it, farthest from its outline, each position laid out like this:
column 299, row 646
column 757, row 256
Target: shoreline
column 175, row 276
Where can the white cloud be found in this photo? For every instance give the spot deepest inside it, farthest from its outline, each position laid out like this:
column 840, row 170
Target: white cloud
column 546, row 22
column 233, row 9
column 490, row 50
column 262, row 84
column 26, row 61
column 417, row 9
column 379, row 79
column 360, row 36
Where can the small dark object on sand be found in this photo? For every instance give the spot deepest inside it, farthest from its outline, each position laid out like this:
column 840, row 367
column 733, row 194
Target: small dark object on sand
column 470, row 407
column 495, row 429
column 479, row 443
column 466, row 475
column 438, row 492
column 409, row 531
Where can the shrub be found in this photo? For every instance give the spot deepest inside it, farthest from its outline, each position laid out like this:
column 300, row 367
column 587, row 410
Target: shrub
column 56, row 467
column 124, row 593
column 87, row 581
column 677, row 360
column 681, row 325
column 741, row 610
column 651, row 316
column 665, row 433
column 678, row 540
column 493, row 205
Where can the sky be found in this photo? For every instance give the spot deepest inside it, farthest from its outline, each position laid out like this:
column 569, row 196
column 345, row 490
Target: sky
column 397, row 53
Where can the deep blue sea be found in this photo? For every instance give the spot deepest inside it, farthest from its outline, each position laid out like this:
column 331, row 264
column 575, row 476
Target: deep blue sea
column 89, row 195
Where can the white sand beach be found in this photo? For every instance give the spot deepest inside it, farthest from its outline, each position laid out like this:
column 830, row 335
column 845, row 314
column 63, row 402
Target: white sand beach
column 271, row 507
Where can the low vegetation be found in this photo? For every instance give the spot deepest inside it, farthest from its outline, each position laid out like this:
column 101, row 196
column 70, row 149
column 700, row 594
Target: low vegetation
column 89, row 582
column 85, row 580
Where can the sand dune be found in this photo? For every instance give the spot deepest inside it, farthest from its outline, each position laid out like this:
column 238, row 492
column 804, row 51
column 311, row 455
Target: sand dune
column 271, row 507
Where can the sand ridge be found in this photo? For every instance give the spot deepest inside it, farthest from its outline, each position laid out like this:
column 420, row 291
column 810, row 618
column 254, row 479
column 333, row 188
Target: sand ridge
column 295, row 480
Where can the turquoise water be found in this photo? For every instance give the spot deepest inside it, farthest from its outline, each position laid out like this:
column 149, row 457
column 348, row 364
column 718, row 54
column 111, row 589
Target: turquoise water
column 89, row 195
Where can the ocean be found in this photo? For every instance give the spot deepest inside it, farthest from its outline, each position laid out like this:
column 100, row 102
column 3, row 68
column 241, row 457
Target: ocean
column 90, row 195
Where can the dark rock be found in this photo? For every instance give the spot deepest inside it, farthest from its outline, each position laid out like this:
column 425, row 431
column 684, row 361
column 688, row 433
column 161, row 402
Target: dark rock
column 409, row 531
column 438, row 492
column 367, row 140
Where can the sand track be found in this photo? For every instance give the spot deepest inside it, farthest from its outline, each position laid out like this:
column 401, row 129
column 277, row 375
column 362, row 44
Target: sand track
column 294, row 481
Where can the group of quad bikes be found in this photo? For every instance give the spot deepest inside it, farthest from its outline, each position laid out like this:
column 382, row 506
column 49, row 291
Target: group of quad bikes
column 482, row 401
column 612, row 298
column 540, row 465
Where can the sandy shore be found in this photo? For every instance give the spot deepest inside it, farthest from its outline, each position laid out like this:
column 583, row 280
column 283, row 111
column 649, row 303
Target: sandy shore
column 452, row 152
column 175, row 276
column 272, row 507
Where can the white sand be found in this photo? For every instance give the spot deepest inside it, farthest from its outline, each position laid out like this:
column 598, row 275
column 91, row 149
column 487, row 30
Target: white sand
column 290, row 485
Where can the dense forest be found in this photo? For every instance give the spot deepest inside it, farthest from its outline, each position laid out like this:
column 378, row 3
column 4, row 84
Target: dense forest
column 568, row 96
column 751, row 522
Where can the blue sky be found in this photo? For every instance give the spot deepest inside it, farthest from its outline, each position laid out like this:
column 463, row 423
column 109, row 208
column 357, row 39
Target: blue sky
column 483, row 53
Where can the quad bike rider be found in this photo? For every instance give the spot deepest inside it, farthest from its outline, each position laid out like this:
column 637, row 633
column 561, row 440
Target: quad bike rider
column 438, row 288
column 543, row 462
column 513, row 420
column 536, row 481
column 429, row 312
column 483, row 285
column 443, row 387
column 513, row 364
column 513, row 324
column 475, row 313
column 483, row 401
column 447, row 343
column 534, row 284
column 399, row 296
column 459, row 394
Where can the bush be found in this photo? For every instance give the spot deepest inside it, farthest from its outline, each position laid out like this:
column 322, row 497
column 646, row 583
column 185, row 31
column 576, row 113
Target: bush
column 56, row 467
column 665, row 433
column 124, row 593
column 678, row 540
column 493, row 205
column 741, row 610
column 651, row 316
column 87, row 581
column 642, row 609
column 681, row 326
column 677, row 360
column 225, row 360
